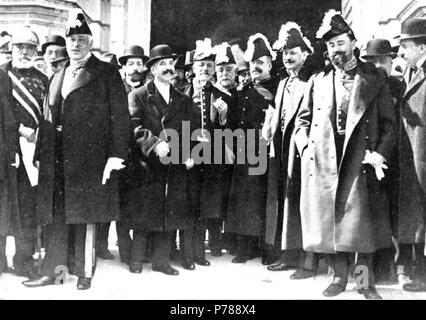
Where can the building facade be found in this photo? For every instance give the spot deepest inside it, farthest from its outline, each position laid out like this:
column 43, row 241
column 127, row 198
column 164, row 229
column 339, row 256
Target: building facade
column 380, row 18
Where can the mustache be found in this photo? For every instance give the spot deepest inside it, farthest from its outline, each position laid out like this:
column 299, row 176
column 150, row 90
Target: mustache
column 258, row 70
column 339, row 53
column 168, row 71
column 289, row 61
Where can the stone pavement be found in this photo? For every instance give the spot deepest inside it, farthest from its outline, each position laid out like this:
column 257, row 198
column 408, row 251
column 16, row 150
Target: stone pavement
column 223, row 280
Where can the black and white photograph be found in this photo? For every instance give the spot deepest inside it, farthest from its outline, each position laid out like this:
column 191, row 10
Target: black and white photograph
column 212, row 150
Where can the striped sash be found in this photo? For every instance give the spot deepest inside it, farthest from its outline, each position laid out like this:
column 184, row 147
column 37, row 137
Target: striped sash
column 25, row 98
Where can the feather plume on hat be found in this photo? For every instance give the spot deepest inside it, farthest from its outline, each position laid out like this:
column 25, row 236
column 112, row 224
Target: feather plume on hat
column 326, row 22
column 251, row 46
column 203, row 49
column 284, row 35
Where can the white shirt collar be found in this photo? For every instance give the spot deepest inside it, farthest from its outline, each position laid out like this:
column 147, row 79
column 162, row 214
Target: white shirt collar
column 164, row 89
column 421, row 61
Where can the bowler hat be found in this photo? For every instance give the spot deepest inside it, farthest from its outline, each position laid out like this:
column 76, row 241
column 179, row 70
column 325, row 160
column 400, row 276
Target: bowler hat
column 133, row 52
column 159, row 52
column 54, row 39
column 61, row 55
column 379, row 48
column 413, row 28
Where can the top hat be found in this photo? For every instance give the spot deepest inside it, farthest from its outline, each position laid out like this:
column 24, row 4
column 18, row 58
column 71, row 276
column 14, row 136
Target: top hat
column 159, row 52
column 224, row 54
column 54, row 39
column 333, row 25
column 180, row 62
column 413, row 28
column 379, row 48
column 111, row 58
column 258, row 46
column 77, row 24
column 291, row 36
column 61, row 55
column 133, row 52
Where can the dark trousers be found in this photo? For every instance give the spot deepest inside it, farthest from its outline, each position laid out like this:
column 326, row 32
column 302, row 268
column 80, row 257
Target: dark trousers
column 186, row 243
column 124, row 241
column 214, row 226
column 411, row 261
column 339, row 265
column 247, row 245
column 76, row 255
column 161, row 247
column 102, row 239
column 3, row 258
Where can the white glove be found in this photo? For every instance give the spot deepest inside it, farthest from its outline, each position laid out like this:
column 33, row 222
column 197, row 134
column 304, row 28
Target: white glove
column 266, row 129
column 17, row 161
column 220, row 105
column 112, row 164
column 28, row 133
column 189, row 163
column 377, row 161
column 162, row 149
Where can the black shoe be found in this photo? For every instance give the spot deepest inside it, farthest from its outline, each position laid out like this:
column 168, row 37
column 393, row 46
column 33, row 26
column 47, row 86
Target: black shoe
column 136, row 267
column 40, row 282
column 268, row 260
column 105, row 254
column 216, row 252
column 302, row 274
column 240, row 259
column 84, row 283
column 202, row 262
column 415, row 286
column 279, row 267
column 188, row 264
column 169, row 270
column 370, row 294
column 333, row 290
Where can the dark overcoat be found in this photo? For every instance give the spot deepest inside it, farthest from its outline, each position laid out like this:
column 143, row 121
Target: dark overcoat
column 412, row 151
column 247, row 199
column 96, row 126
column 159, row 202
column 9, row 147
column 343, row 206
column 210, row 182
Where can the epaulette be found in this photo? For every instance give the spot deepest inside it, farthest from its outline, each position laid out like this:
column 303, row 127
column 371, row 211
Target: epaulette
column 264, row 92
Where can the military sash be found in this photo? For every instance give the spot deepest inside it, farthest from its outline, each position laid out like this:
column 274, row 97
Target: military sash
column 30, row 104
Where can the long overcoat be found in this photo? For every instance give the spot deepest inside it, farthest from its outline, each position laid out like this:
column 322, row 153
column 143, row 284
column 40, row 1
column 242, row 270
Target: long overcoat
column 412, row 193
column 247, row 199
column 159, row 202
column 343, row 205
column 284, row 172
column 96, row 126
column 9, row 147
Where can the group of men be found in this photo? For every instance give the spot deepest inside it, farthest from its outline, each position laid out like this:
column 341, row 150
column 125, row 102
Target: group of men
column 326, row 162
